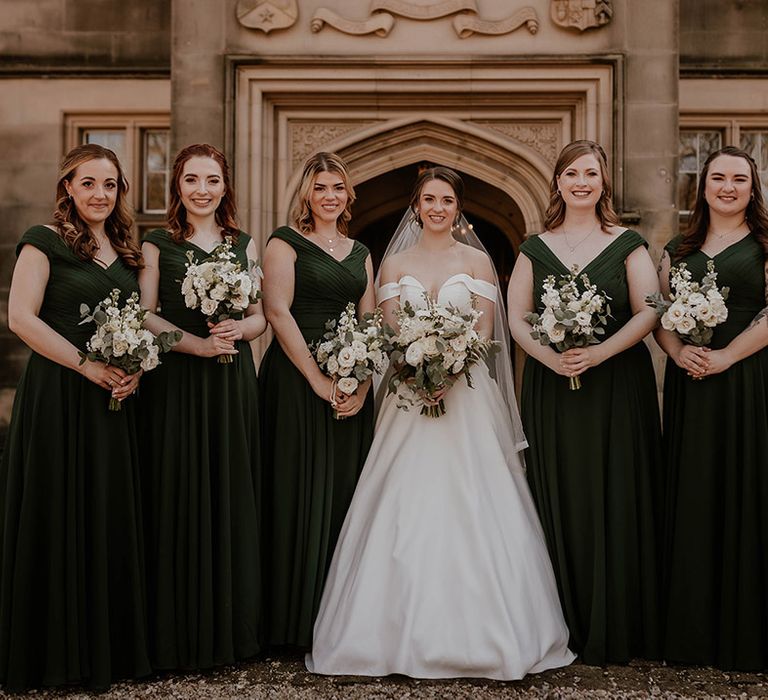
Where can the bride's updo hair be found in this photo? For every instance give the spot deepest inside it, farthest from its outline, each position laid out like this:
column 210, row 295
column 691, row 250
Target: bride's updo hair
column 439, row 172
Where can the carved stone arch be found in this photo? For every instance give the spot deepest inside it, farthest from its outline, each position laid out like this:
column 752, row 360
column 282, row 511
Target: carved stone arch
column 510, row 166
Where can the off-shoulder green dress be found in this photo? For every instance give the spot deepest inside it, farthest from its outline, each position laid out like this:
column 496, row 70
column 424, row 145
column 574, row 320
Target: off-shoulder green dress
column 716, row 436
column 72, row 597
column 201, row 476
column 311, row 460
column 595, row 470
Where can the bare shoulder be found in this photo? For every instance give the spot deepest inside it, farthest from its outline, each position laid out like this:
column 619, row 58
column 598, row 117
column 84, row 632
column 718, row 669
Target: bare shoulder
column 616, row 230
column 479, row 263
column 391, row 267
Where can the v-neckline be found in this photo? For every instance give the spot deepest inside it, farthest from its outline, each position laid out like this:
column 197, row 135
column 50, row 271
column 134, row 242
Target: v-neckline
column 201, row 249
column 321, row 249
column 727, row 248
column 582, row 270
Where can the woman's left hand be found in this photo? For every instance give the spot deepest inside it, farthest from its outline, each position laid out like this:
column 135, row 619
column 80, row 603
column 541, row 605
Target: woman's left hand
column 124, row 390
column 719, row 361
column 578, row 360
column 349, row 404
column 228, row 329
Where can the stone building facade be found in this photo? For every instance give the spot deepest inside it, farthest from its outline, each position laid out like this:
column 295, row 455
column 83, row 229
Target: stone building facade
column 492, row 88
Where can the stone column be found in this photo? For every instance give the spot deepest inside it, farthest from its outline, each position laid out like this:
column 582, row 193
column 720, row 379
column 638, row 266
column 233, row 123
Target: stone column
column 651, row 117
column 197, row 72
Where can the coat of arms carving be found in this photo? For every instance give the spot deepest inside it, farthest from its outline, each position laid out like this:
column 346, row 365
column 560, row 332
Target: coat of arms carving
column 267, row 15
column 581, row 14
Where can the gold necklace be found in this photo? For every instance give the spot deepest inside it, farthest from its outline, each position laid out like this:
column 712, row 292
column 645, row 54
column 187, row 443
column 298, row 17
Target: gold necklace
column 573, row 247
column 728, row 233
column 331, row 241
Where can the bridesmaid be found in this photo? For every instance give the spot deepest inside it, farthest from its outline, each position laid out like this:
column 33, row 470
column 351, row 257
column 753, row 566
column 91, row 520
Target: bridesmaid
column 594, row 461
column 201, row 463
column 311, row 460
column 716, row 433
column 72, row 599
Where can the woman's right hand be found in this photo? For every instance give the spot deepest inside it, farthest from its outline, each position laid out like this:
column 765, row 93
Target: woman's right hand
column 692, row 359
column 106, row 376
column 559, row 365
column 325, row 388
column 215, row 345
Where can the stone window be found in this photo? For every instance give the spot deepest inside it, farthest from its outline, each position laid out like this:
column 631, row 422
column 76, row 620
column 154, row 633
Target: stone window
column 755, row 142
column 142, row 143
column 695, row 147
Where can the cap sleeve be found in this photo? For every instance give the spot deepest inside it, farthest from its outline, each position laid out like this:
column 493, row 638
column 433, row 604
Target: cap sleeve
column 42, row 238
column 157, row 237
column 387, row 291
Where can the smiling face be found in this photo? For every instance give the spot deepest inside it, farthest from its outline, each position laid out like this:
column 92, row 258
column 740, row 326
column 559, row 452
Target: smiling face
column 581, row 182
column 201, row 186
column 93, row 189
column 328, row 197
column 728, row 185
column 438, row 206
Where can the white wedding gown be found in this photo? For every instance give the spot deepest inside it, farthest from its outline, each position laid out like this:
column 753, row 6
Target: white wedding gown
column 441, row 569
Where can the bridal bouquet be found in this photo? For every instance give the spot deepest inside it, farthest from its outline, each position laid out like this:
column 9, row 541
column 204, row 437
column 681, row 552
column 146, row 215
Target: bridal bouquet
column 352, row 350
column 220, row 286
column 693, row 309
column 573, row 317
column 120, row 340
column 435, row 346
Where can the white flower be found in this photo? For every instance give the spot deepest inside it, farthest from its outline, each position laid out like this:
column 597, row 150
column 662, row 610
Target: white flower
column 685, row 325
column 414, row 354
column 151, row 360
column 556, row 335
column 675, row 312
column 345, row 371
column 333, row 365
column 696, row 298
column 548, row 323
column 119, row 344
column 459, row 344
column 219, row 292
column 347, row 385
column 584, row 319
column 346, row 357
column 667, row 323
column 208, row 307
column 457, row 366
column 359, row 350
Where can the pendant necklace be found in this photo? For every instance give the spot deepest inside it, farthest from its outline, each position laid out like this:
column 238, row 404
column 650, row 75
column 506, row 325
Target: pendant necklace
column 573, row 247
column 331, row 242
column 728, row 233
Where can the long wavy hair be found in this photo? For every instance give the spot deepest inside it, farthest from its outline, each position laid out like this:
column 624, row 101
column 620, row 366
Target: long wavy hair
column 74, row 231
column 439, row 172
column 226, row 213
column 301, row 212
column 604, row 209
column 756, row 214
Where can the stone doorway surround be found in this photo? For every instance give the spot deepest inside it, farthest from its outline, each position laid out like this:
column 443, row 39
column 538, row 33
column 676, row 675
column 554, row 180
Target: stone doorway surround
column 502, row 121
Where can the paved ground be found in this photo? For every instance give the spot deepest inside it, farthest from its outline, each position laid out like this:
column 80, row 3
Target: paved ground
column 285, row 677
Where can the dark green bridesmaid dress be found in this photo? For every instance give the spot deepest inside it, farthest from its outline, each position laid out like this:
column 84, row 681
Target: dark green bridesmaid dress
column 201, row 477
column 72, row 597
column 716, row 436
column 595, row 471
column 311, row 460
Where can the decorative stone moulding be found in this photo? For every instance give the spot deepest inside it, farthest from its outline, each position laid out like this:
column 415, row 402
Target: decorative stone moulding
column 542, row 138
column 580, row 14
column 466, row 22
column 267, row 15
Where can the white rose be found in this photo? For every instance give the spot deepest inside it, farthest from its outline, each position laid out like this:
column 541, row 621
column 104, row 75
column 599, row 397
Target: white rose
column 96, row 343
column 574, row 305
column 459, row 344
column 584, row 319
column 346, row 357
column 685, row 325
column 359, row 350
column 667, row 323
column 190, row 300
column 557, row 335
column 347, row 385
column 186, row 286
column 548, row 323
column 333, row 365
column 457, row 366
column 414, row 354
column 696, row 298
column 218, row 292
column 430, row 346
column 345, row 371
column 208, row 307
column 152, row 360
column 448, row 359
column 676, row 313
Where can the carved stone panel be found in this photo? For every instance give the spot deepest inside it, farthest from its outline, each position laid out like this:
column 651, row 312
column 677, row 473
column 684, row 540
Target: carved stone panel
column 306, row 137
column 466, row 22
column 267, row 15
column 542, row 138
column 581, row 14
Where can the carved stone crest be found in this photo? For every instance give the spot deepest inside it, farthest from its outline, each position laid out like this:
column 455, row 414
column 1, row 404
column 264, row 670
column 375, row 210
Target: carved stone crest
column 581, row 14
column 466, row 22
column 267, row 15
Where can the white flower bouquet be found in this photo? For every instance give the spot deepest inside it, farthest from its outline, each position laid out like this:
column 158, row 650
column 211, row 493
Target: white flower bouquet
column 352, row 350
column 435, row 346
column 219, row 285
column 120, row 339
column 573, row 317
column 693, row 309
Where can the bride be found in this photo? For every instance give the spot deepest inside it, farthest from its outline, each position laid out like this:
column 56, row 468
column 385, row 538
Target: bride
column 441, row 569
